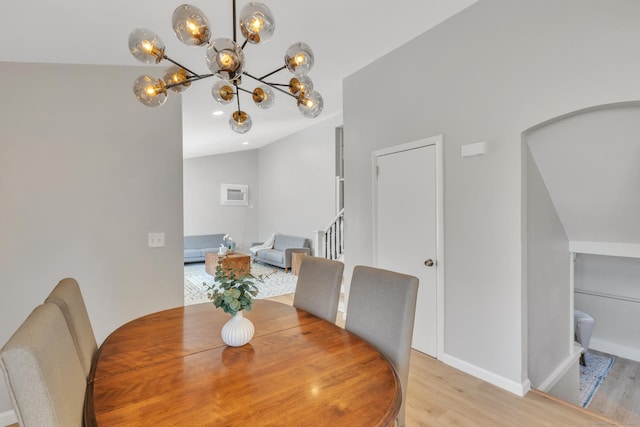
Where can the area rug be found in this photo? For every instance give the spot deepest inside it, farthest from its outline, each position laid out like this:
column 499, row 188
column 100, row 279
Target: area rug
column 276, row 282
column 591, row 376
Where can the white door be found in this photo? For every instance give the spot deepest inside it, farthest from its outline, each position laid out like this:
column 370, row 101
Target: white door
column 406, row 230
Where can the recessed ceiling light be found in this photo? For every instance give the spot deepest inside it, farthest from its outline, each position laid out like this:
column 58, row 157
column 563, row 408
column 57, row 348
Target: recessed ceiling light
column 218, row 113
column 245, row 143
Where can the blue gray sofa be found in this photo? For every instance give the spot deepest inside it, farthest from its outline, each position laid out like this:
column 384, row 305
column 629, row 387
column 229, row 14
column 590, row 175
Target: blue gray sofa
column 196, row 246
column 280, row 254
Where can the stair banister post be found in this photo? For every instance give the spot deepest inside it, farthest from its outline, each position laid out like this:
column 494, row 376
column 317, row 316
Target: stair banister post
column 318, row 243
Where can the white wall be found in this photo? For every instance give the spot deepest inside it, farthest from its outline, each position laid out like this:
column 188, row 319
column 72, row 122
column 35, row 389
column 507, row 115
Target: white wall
column 203, row 213
column 617, row 330
column 487, row 74
column 589, row 162
column 297, row 182
column 549, row 302
column 86, row 172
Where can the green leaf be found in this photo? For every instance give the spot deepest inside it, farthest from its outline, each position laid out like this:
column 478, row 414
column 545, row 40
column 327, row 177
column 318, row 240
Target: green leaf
column 233, row 292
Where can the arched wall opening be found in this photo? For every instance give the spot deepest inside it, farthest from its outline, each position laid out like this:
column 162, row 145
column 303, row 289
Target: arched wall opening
column 583, row 239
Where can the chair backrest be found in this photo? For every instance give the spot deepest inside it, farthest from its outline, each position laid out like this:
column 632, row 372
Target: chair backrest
column 43, row 371
column 68, row 297
column 318, row 287
column 381, row 310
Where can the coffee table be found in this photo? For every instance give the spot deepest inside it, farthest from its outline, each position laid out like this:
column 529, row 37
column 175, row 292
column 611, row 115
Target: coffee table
column 237, row 262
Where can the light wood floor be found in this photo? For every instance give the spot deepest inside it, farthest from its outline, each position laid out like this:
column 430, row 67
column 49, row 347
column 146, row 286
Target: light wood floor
column 618, row 397
column 439, row 395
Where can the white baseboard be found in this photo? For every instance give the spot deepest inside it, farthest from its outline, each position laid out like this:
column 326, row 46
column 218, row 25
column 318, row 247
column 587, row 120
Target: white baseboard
column 514, row 387
column 561, row 370
column 632, row 353
column 7, row 418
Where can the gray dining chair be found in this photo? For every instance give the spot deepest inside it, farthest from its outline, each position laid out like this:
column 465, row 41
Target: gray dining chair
column 43, row 372
column 318, row 287
column 68, row 297
column 381, row 310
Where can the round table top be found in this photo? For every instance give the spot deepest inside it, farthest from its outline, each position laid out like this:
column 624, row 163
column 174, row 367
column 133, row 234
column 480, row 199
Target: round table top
column 172, row 368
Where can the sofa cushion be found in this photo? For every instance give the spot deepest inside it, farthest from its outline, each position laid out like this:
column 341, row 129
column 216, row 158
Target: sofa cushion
column 203, row 241
column 284, row 242
column 272, row 255
column 192, row 253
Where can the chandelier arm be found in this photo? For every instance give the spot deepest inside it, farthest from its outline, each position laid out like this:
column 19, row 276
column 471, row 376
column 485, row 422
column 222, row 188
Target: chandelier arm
column 243, row 90
column 183, row 67
column 271, row 73
column 234, row 27
column 270, row 85
column 283, row 91
column 244, row 44
column 190, row 80
column 235, row 83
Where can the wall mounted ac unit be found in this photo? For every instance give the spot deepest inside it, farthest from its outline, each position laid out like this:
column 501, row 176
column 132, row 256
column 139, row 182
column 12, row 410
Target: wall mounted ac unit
column 234, row 194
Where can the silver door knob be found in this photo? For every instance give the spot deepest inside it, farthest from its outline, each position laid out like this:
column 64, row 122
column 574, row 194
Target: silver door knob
column 429, row 262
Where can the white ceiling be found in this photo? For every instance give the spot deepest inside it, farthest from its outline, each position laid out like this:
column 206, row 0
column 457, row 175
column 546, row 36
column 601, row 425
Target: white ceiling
column 344, row 35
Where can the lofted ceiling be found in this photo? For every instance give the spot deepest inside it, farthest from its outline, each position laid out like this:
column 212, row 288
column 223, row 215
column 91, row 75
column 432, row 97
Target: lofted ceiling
column 344, row 35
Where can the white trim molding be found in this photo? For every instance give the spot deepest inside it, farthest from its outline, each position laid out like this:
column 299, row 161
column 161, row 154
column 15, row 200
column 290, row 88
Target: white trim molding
column 619, row 350
column 562, row 369
column 504, row 383
column 629, row 250
column 8, row 418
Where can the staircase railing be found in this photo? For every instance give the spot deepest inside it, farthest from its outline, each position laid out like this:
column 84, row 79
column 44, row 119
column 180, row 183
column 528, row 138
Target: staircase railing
column 329, row 243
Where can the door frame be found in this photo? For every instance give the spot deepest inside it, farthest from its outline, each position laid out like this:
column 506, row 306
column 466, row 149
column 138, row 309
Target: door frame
column 436, row 140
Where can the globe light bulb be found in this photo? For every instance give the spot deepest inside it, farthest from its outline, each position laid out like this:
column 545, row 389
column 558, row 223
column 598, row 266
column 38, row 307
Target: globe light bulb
column 175, row 79
column 299, row 59
column 146, row 46
column 225, row 59
column 264, row 97
column 193, row 28
column 310, row 104
column 300, row 84
column 190, row 25
column 150, row 91
column 222, row 91
column 257, row 23
column 240, row 122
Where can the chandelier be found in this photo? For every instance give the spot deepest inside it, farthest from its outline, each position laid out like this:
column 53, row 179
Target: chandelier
column 225, row 59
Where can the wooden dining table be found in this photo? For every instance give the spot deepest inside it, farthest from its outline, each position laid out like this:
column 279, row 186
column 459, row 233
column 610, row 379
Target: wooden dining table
column 172, row 368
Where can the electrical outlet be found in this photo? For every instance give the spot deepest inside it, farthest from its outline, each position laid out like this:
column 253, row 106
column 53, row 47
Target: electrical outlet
column 156, row 240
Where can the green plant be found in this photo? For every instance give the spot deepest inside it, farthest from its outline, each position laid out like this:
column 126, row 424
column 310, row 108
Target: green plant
column 233, row 292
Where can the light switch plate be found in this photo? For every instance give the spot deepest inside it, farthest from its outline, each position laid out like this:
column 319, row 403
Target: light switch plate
column 156, row 240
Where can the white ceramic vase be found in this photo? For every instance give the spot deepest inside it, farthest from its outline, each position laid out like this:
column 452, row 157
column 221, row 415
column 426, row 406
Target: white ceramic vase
column 237, row 331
